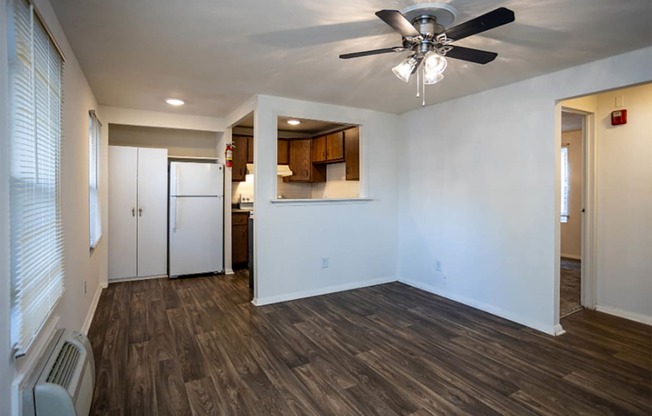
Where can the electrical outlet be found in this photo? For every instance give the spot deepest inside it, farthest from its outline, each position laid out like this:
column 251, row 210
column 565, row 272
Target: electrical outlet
column 438, row 266
column 324, row 262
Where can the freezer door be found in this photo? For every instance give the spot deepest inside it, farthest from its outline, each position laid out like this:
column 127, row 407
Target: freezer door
column 196, row 179
column 196, row 235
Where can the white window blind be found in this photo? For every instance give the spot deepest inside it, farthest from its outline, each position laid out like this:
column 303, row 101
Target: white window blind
column 565, row 184
column 95, row 223
column 35, row 101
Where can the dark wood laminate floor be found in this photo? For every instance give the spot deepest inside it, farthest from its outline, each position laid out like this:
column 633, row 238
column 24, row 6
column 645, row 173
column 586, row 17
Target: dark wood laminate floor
column 197, row 346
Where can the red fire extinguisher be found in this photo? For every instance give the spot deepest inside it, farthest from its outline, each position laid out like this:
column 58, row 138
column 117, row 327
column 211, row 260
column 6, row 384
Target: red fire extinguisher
column 228, row 153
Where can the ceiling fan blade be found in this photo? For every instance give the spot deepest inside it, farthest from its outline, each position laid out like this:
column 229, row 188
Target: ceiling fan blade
column 487, row 21
column 371, row 52
column 471, row 55
column 398, row 22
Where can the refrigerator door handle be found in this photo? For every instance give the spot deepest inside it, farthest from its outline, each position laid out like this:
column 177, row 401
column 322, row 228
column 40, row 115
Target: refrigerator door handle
column 174, row 215
column 177, row 173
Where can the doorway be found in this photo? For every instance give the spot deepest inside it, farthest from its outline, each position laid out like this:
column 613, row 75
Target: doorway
column 571, row 212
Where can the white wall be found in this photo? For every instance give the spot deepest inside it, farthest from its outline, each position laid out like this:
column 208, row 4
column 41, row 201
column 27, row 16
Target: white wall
column 81, row 266
column 358, row 237
column 481, row 190
column 624, row 205
column 178, row 142
column 571, row 231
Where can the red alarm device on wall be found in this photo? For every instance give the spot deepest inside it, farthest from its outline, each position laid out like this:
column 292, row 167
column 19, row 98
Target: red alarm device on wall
column 618, row 117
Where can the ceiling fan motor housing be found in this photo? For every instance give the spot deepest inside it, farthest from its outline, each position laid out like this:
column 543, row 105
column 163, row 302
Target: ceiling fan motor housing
column 429, row 40
column 427, row 25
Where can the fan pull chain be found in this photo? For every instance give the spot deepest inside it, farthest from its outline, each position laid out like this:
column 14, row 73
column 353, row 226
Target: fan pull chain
column 418, row 88
column 423, row 86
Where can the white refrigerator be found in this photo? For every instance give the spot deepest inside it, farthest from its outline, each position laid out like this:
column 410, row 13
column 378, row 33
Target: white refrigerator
column 196, row 227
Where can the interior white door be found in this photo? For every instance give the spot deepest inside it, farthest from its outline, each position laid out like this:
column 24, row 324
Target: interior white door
column 196, row 235
column 152, row 211
column 123, row 162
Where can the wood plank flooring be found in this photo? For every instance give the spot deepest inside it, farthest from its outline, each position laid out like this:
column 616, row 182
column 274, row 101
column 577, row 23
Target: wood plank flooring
column 197, row 346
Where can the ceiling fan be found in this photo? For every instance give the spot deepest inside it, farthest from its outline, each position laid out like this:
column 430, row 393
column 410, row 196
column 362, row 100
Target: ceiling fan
column 424, row 34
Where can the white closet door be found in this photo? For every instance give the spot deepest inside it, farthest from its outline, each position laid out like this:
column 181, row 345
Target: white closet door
column 123, row 162
column 152, row 211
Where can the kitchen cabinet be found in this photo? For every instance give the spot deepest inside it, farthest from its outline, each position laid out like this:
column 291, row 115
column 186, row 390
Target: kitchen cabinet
column 328, row 148
column 352, row 153
column 138, row 180
column 283, row 152
column 318, row 149
column 335, row 147
column 250, row 149
column 301, row 164
column 240, row 239
column 239, row 169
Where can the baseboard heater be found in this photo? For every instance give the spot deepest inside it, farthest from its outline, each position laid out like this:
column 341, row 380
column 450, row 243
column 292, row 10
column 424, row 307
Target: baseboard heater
column 62, row 383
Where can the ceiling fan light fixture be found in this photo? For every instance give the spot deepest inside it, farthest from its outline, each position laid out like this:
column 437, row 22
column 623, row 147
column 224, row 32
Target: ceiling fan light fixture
column 434, row 63
column 405, row 68
column 429, row 79
column 434, row 66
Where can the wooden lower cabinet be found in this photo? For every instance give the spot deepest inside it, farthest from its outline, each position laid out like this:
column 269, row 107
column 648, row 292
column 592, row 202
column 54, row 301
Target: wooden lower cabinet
column 240, row 239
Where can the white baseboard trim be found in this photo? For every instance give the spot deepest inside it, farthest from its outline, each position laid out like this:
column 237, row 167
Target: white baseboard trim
column 571, row 256
column 321, row 291
column 229, row 271
column 485, row 307
column 91, row 311
column 632, row 316
column 135, row 278
column 558, row 330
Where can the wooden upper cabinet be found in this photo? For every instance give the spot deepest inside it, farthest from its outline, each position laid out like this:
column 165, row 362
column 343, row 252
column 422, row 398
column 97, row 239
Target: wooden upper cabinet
column 319, row 149
column 328, row 148
column 250, row 149
column 335, row 146
column 352, row 153
column 283, row 152
column 239, row 170
column 300, row 163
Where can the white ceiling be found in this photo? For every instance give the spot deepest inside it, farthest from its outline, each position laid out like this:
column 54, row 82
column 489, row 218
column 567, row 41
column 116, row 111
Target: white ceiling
column 217, row 54
column 571, row 121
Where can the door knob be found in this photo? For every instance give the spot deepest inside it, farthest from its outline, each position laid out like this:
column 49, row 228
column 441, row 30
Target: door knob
column 140, row 212
column 133, row 212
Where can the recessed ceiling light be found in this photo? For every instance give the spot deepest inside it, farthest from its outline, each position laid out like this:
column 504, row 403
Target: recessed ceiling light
column 175, row 101
column 294, row 122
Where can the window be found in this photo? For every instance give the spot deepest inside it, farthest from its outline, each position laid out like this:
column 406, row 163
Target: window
column 565, row 184
column 95, row 223
column 36, row 244
column 317, row 159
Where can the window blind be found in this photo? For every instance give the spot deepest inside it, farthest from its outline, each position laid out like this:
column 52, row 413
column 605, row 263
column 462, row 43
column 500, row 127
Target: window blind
column 36, row 244
column 95, row 223
column 565, row 184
